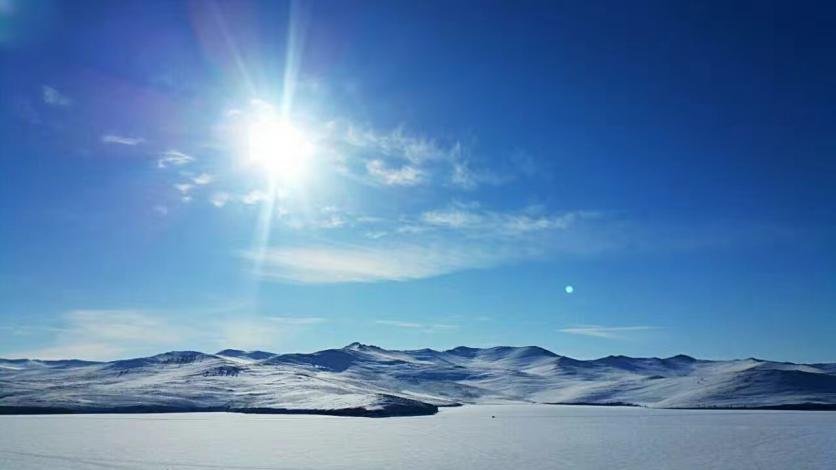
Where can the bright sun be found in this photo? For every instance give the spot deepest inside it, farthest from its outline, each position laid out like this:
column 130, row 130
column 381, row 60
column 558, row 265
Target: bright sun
column 279, row 148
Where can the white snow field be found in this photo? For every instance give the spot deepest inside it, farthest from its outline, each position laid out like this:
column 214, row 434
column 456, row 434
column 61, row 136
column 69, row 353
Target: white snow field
column 519, row 437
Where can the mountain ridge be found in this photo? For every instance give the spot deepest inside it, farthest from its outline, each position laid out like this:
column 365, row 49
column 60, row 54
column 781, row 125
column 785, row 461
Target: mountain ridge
column 367, row 380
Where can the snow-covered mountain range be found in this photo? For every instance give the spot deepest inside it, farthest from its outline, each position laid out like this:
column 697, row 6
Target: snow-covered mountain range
column 365, row 380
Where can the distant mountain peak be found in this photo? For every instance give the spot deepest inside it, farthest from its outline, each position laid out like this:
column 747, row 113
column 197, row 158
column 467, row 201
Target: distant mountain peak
column 357, row 346
column 231, row 353
column 518, row 351
column 181, row 356
column 257, row 355
column 683, row 358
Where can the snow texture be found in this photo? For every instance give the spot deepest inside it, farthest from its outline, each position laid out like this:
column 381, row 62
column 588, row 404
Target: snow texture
column 520, row 436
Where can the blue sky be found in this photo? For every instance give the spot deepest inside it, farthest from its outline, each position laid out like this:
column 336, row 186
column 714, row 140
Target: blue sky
column 443, row 171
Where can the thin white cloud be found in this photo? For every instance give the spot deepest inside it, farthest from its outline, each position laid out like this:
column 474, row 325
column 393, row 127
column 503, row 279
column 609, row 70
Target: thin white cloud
column 392, row 158
column 174, row 158
column 326, row 218
column 465, row 177
column 297, row 320
column 471, row 218
column 203, row 179
column 161, row 210
column 220, row 199
column 376, row 235
column 398, row 157
column 399, row 324
column 254, row 197
column 184, row 188
column 53, row 97
column 609, row 332
column 257, row 332
column 121, row 140
column 121, row 333
column 402, row 262
column 454, row 217
column 397, row 143
column 424, row 327
column 106, row 334
column 457, row 238
column 404, row 176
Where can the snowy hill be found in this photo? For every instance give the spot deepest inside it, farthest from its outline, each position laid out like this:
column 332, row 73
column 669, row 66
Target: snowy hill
column 364, row 380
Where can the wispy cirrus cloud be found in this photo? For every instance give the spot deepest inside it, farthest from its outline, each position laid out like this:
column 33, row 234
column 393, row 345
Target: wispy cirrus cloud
column 121, row 140
column 464, row 176
column 184, row 188
column 424, row 327
column 397, row 143
column 174, row 158
column 457, row 238
column 220, row 199
column 404, row 159
column 297, row 320
column 471, row 218
column 105, row 334
column 259, row 332
column 324, row 264
column 609, row 332
column 108, row 334
column 254, row 197
column 405, row 175
column 399, row 158
column 53, row 97
column 202, row 179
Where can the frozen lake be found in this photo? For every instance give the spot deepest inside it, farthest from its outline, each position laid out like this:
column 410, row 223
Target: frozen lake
column 521, row 436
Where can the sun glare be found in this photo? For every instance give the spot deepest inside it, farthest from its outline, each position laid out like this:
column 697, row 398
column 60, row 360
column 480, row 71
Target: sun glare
column 279, row 148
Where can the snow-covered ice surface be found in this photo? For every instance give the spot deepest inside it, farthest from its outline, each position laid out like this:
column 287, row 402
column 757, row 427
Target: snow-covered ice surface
column 521, row 436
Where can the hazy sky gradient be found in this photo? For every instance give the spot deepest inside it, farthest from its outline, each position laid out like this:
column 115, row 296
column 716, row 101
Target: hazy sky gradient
column 672, row 161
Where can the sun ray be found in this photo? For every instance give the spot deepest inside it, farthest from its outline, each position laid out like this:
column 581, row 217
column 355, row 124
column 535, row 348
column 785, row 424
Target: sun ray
column 281, row 148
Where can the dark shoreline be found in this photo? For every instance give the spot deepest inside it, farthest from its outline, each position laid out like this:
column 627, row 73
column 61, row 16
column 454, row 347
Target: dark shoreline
column 387, row 412
column 791, row 407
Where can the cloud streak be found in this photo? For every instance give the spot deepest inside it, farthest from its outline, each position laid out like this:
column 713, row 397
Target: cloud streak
column 471, row 219
column 608, row 332
column 106, row 334
column 397, row 158
column 203, row 179
column 174, row 158
column 121, row 140
column 398, row 144
column 220, row 199
column 118, row 333
column 465, row 177
column 297, row 320
column 404, row 176
column 457, row 238
column 424, row 327
column 326, row 264
column 53, row 97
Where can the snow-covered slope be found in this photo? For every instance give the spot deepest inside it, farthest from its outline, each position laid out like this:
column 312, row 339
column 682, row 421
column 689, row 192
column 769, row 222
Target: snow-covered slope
column 366, row 380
